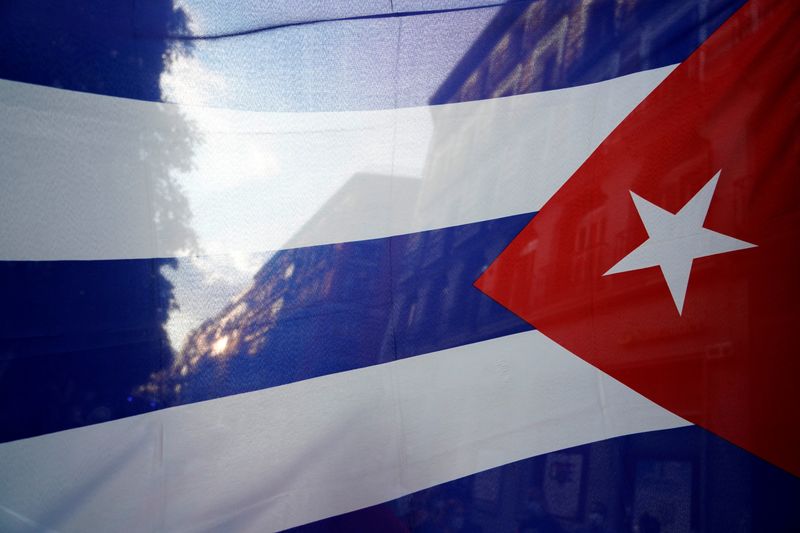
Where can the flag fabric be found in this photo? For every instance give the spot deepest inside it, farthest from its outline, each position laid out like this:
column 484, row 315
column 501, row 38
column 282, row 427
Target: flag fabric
column 422, row 266
column 719, row 139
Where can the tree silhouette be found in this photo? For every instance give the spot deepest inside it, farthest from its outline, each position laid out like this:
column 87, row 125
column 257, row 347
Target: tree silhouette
column 94, row 329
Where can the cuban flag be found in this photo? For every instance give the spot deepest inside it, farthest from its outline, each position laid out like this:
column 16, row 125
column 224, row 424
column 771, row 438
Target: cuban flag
column 445, row 265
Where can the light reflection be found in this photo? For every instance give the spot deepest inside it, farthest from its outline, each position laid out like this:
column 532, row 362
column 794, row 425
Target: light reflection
column 218, row 348
column 276, row 307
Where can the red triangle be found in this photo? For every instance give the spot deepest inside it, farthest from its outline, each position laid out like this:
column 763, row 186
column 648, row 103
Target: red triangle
column 729, row 362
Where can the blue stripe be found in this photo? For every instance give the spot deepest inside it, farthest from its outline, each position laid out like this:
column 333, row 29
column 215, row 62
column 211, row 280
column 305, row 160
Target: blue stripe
column 686, row 479
column 80, row 340
column 122, row 48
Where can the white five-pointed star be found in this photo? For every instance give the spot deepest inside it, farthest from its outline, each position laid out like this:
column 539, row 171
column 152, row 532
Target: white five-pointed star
column 675, row 241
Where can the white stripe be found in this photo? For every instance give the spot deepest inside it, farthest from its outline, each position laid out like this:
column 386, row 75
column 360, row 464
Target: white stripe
column 95, row 177
column 297, row 453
